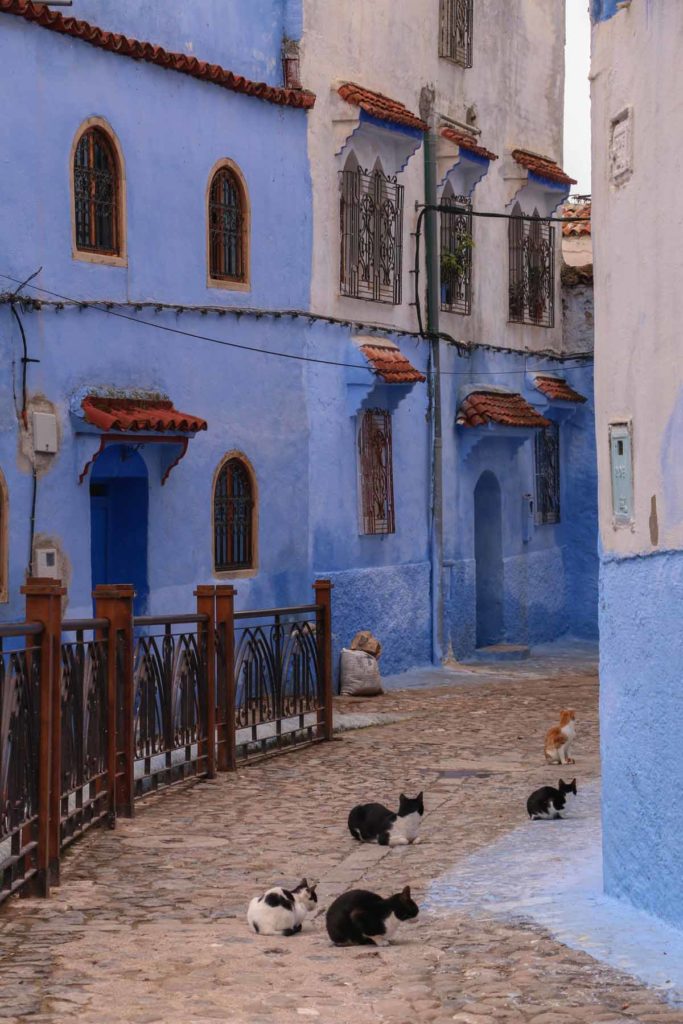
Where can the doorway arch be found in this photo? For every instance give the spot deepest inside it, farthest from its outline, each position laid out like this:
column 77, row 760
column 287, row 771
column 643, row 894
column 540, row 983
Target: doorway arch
column 488, row 553
column 119, row 499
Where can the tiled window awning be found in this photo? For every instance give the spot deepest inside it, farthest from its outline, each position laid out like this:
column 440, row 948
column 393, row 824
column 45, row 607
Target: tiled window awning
column 557, row 389
column 391, row 365
column 542, row 166
column 508, row 409
column 466, row 141
column 382, row 107
column 132, row 415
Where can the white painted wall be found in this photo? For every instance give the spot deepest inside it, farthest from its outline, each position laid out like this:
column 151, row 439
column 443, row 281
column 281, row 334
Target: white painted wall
column 638, row 251
column 516, row 83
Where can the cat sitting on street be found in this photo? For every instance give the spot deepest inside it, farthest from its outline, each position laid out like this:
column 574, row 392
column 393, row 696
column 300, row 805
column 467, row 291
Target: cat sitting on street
column 547, row 802
column 282, row 911
column 362, row 918
column 375, row 823
column 559, row 739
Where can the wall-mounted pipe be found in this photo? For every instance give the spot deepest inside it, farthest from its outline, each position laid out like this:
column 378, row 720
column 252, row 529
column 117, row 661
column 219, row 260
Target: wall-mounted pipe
column 436, row 447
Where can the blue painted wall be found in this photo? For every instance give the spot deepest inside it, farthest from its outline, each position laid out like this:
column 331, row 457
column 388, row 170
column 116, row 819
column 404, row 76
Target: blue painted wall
column 212, row 30
column 549, row 581
column 641, row 710
column 601, row 10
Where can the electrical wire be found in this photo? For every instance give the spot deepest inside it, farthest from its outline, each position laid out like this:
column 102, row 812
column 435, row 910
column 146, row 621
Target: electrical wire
column 464, row 348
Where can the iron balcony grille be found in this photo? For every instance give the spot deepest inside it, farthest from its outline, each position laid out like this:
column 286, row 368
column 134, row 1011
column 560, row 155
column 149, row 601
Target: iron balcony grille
column 456, row 256
column 371, row 214
column 532, row 271
column 376, row 473
column 455, row 37
column 548, row 474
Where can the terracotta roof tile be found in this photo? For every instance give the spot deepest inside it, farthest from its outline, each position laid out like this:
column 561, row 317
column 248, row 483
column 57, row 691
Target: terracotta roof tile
column 557, row 389
column 391, row 365
column 377, row 105
column 510, row 410
column 140, row 50
column 580, row 222
column 137, row 414
column 542, row 166
column 467, row 142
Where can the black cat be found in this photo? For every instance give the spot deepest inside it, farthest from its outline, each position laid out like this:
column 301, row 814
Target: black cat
column 547, row 802
column 362, row 918
column 370, row 823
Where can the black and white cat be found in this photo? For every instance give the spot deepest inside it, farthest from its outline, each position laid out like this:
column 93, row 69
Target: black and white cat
column 362, row 918
column 547, row 802
column 370, row 823
column 282, row 911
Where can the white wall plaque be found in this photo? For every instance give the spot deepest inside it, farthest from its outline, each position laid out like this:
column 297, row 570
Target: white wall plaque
column 621, row 147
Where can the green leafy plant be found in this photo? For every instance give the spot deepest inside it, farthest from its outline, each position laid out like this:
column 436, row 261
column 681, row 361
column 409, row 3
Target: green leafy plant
column 455, row 262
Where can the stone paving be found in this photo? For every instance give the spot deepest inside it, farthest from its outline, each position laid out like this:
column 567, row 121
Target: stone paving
column 149, row 923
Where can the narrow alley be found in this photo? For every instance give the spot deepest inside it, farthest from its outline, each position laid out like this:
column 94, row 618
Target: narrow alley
column 149, row 923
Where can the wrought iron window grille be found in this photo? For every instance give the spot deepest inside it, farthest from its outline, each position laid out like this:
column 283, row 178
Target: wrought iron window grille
column 233, row 515
column 532, row 271
column 226, row 228
column 96, row 188
column 455, row 35
column 371, row 215
column 376, row 473
column 547, row 457
column 456, row 256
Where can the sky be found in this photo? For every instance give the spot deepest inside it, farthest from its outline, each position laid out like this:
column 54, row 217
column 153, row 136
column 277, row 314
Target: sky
column 577, row 113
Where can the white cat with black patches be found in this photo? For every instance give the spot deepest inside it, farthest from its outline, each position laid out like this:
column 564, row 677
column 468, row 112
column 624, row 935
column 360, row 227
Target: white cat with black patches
column 375, row 823
column 282, row 911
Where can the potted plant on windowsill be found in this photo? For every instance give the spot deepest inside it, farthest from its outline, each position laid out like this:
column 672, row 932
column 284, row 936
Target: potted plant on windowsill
column 455, row 264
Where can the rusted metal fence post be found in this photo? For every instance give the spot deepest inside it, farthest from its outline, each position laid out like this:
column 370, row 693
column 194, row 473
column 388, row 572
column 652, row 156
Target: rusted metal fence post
column 206, row 636
column 104, row 596
column 115, row 603
column 227, row 729
column 323, row 626
column 44, row 605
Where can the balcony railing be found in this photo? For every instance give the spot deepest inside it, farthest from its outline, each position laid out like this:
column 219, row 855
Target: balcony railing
column 97, row 713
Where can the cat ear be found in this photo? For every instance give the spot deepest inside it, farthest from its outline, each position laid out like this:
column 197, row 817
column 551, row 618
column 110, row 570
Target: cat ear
column 402, row 797
column 303, row 884
column 562, row 784
column 419, row 795
column 406, row 893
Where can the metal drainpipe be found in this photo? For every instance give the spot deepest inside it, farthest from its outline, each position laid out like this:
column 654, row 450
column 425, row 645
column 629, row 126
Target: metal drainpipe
column 433, row 303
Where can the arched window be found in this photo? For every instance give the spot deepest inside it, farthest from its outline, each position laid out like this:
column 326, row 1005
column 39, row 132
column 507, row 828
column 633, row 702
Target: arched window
column 97, row 188
column 532, row 269
column 371, row 233
column 4, row 540
column 456, row 253
column 233, row 517
column 228, row 227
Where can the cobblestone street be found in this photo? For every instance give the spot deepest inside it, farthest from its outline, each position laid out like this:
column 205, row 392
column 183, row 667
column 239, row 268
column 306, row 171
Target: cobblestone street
column 149, row 923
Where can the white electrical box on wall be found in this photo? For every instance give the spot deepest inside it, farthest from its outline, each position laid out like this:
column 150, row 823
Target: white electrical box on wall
column 45, row 563
column 45, row 432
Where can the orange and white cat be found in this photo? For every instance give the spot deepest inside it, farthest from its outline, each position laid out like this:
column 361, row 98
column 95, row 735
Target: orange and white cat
column 559, row 739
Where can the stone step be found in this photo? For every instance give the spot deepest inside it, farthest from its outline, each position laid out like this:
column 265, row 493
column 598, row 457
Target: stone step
column 502, row 652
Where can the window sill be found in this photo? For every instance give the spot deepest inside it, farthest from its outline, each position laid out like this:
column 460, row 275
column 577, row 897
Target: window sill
column 102, row 258
column 229, row 286
column 455, row 62
column 235, row 574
